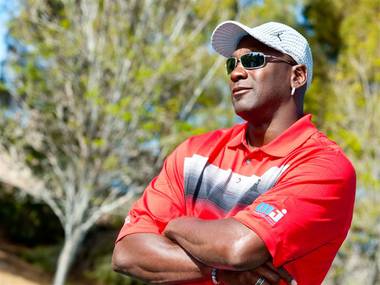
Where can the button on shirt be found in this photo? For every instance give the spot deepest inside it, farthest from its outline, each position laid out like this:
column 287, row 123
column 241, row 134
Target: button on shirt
column 297, row 193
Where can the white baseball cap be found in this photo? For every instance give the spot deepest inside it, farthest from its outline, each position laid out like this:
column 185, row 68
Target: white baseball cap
column 281, row 37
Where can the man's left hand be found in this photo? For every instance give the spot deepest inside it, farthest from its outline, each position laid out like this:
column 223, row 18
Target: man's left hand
column 267, row 271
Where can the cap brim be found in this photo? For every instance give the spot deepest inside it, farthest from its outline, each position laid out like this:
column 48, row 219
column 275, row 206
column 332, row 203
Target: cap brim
column 227, row 35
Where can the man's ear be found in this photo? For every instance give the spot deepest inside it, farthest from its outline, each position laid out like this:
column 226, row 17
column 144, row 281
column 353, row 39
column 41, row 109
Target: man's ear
column 299, row 76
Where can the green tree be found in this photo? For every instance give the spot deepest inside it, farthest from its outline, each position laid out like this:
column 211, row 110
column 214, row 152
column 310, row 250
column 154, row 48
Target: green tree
column 356, row 125
column 347, row 43
column 322, row 23
column 98, row 87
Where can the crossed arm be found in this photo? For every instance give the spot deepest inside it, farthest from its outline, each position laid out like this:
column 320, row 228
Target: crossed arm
column 223, row 243
column 189, row 248
column 155, row 259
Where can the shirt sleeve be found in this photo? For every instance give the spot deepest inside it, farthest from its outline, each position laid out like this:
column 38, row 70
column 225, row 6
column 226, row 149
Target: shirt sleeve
column 162, row 200
column 310, row 206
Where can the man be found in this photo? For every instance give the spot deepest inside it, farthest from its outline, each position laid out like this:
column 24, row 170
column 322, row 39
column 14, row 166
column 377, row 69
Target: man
column 249, row 204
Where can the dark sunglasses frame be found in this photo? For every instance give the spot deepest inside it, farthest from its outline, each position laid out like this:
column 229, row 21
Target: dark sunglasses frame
column 260, row 61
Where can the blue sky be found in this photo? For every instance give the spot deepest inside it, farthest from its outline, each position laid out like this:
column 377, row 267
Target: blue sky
column 7, row 9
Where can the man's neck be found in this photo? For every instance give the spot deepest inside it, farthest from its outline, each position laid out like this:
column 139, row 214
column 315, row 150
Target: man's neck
column 260, row 133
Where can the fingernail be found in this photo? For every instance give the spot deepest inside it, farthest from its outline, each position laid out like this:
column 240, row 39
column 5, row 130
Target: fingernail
column 293, row 282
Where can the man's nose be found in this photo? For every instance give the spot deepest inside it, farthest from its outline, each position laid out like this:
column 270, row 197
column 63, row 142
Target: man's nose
column 238, row 73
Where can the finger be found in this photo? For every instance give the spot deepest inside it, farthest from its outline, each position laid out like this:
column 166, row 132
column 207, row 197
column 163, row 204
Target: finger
column 249, row 278
column 271, row 266
column 270, row 275
column 260, row 280
column 284, row 274
column 229, row 277
column 242, row 278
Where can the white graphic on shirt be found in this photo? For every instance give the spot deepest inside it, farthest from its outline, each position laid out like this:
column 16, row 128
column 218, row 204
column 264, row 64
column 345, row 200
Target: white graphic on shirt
column 224, row 187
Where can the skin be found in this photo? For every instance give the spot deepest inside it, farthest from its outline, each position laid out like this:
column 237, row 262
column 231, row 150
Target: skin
column 168, row 263
column 189, row 246
column 267, row 91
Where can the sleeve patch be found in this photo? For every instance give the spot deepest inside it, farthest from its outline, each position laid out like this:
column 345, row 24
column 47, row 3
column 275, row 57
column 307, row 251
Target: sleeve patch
column 270, row 213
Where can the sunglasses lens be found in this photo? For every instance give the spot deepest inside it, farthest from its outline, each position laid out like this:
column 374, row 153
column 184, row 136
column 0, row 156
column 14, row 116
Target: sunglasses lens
column 230, row 64
column 252, row 60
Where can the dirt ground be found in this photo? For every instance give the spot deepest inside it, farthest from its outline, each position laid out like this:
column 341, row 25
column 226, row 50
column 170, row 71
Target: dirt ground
column 14, row 271
column 11, row 279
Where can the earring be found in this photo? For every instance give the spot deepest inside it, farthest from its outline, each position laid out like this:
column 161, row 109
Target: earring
column 293, row 91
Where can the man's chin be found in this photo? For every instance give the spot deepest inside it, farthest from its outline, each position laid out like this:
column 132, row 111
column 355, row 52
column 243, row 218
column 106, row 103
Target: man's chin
column 243, row 107
column 243, row 113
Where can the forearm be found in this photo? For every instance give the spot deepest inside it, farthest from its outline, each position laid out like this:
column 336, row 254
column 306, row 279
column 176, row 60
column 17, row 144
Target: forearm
column 156, row 259
column 219, row 243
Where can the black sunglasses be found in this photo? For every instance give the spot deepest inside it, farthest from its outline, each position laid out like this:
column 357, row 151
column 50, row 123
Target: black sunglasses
column 253, row 60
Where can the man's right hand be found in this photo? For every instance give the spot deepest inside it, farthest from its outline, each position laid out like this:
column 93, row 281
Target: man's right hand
column 267, row 271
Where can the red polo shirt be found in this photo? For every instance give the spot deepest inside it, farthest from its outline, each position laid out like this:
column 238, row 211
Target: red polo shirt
column 297, row 193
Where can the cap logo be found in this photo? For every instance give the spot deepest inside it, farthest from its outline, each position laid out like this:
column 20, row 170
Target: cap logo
column 278, row 34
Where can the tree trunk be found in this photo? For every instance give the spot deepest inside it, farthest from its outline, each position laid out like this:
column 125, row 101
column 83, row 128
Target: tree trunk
column 66, row 256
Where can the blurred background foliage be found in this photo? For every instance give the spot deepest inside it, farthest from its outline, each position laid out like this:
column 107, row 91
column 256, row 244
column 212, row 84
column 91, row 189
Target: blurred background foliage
column 146, row 69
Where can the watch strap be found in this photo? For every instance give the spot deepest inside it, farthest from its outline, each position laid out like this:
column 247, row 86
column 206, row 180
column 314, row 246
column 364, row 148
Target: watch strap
column 214, row 276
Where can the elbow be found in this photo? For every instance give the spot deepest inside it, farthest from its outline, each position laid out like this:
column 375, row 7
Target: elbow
column 116, row 263
column 127, row 263
column 233, row 258
column 241, row 256
column 121, row 261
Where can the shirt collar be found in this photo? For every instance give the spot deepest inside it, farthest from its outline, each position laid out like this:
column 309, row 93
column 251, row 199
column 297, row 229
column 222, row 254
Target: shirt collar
column 239, row 138
column 285, row 143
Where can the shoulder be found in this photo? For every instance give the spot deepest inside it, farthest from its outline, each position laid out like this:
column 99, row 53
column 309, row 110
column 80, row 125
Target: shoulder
column 321, row 161
column 331, row 155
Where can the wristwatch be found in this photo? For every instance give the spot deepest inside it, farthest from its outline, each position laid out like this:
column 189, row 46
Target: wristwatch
column 214, row 276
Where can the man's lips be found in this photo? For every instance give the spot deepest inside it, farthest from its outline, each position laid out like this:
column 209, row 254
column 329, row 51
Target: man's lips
column 239, row 90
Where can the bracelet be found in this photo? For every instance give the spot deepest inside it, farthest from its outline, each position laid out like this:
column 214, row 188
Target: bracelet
column 214, row 276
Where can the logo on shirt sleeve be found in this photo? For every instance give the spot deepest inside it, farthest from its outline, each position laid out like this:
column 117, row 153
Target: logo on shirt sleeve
column 270, row 213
